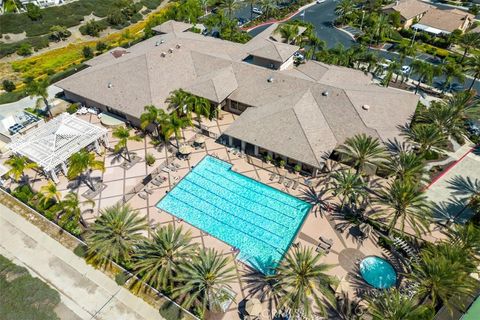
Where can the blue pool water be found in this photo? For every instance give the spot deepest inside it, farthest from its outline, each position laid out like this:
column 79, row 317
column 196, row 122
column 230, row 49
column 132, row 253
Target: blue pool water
column 255, row 218
column 378, row 272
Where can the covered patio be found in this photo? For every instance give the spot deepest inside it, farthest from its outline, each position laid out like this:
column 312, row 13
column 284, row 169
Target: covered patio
column 51, row 144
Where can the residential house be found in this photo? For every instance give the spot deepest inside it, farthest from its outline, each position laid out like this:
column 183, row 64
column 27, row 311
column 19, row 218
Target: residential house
column 410, row 11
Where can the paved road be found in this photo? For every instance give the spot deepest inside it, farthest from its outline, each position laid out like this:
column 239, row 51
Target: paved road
column 85, row 292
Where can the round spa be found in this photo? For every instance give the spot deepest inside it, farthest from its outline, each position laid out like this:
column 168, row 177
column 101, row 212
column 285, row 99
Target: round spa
column 378, row 272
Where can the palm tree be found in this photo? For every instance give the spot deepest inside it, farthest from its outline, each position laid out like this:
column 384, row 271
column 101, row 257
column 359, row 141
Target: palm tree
column 472, row 67
column 425, row 71
column 173, row 126
column 344, row 9
column 153, row 115
column 468, row 41
column 393, row 68
column 362, row 150
column 204, row 4
column 405, row 203
column 315, row 44
column 393, row 305
column 407, row 49
column 452, row 71
column 289, row 33
column 304, row 283
column 426, row 137
column 407, row 166
column 348, row 309
column 448, row 116
column 268, row 7
column 467, row 237
column 382, row 28
column 40, row 89
column 229, row 6
column 158, row 260
column 177, row 101
column 442, row 273
column 202, row 279
column 251, row 3
column 18, row 164
column 319, row 199
column 115, row 234
column 123, row 136
column 71, row 211
column 349, row 186
column 49, row 192
column 82, row 163
column 201, row 107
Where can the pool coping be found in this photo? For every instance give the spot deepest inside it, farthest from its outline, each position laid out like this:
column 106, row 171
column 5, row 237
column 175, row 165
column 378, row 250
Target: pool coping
column 295, row 235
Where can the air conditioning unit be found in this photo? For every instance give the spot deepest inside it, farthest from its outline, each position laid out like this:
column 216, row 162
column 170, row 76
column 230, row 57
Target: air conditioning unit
column 163, row 54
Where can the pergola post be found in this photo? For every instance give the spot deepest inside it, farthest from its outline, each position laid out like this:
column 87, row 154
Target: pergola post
column 105, row 139
column 64, row 168
column 97, row 146
column 54, row 176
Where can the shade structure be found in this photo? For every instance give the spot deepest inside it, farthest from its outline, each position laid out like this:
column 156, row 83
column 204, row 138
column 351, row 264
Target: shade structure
column 200, row 139
column 185, row 150
column 253, row 307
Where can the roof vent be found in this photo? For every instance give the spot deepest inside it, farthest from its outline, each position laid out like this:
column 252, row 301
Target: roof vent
column 325, row 93
column 110, row 85
column 170, row 50
column 157, row 43
column 270, row 79
column 162, row 41
column 163, row 54
column 178, row 46
column 365, row 107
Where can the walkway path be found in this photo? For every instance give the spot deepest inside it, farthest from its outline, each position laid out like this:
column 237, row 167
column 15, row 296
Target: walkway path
column 87, row 292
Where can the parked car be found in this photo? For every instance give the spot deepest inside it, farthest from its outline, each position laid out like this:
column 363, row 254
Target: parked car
column 257, row 10
column 321, row 1
column 241, row 21
column 298, row 55
column 473, row 127
column 406, row 69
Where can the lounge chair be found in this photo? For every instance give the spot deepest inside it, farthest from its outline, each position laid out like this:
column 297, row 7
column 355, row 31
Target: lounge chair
column 148, row 190
column 143, row 195
column 165, row 169
column 295, row 185
column 280, row 181
column 288, row 183
column 321, row 249
column 272, row 176
column 327, row 241
column 324, row 246
column 176, row 165
column 157, row 183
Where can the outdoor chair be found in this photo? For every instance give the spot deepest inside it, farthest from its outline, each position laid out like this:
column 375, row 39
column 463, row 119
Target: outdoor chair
column 288, row 183
column 143, row 195
column 157, row 183
column 295, row 185
column 273, row 176
column 280, row 181
column 147, row 190
column 322, row 249
column 329, row 242
column 165, row 169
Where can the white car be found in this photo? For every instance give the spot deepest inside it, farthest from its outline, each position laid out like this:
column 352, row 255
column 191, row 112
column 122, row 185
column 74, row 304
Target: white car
column 406, row 69
column 257, row 11
column 321, row 1
column 298, row 55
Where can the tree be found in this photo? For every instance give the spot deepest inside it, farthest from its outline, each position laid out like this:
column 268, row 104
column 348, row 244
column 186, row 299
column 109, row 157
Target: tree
column 173, row 125
column 71, row 211
column 452, row 71
column 87, row 52
column 268, row 7
column 427, row 137
column 114, row 235
column 466, row 237
column 123, row 136
column 153, row 115
column 201, row 107
column 425, row 71
column 82, row 163
column 92, row 28
column 251, row 3
column 472, row 67
column 18, row 164
column 468, row 41
column 407, row 49
column 407, row 166
column 25, row 49
column 348, row 309
column 40, row 89
column 8, row 85
column 303, row 282
column 59, row 33
column 177, row 101
column 362, row 150
column 116, row 18
column 33, row 12
column 157, row 260
column 349, row 186
column 229, row 6
column 289, row 33
column 393, row 68
column 49, row 192
column 393, row 305
column 202, row 279
column 381, row 28
column 344, row 9
column 404, row 204
column 101, row 46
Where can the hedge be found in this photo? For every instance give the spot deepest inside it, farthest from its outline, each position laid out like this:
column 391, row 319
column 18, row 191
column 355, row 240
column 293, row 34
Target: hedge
column 37, row 43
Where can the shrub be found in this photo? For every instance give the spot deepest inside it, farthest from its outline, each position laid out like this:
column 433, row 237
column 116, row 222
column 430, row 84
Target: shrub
column 8, row 85
column 121, row 278
column 59, row 33
column 33, row 12
column 23, row 193
column 93, row 28
column 87, row 52
column 25, row 49
column 150, row 159
column 170, row 311
column 136, row 17
column 81, row 250
column 72, row 108
column 298, row 167
column 12, row 96
column 101, row 46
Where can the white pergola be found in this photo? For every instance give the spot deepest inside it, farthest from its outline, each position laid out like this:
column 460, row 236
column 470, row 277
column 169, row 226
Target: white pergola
column 51, row 144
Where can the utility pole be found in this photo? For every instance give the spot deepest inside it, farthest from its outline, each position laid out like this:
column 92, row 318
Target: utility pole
column 363, row 16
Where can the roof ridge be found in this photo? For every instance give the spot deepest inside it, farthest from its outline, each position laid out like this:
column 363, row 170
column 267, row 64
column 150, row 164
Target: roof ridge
column 359, row 116
column 148, row 79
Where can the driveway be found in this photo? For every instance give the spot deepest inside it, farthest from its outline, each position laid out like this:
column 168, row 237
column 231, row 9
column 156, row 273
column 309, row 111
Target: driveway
column 86, row 293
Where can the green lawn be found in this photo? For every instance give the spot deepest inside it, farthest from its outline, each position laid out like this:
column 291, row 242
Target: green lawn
column 24, row 297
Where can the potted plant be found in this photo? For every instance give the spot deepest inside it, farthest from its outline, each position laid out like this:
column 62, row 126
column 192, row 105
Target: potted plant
column 297, row 168
column 268, row 158
column 281, row 163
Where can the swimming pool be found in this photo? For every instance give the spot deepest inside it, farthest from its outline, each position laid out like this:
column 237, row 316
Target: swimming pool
column 378, row 272
column 255, row 218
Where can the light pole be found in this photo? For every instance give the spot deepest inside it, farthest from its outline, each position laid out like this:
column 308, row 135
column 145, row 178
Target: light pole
column 361, row 23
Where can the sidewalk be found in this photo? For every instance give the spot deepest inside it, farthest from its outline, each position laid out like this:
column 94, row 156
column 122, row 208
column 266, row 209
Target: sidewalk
column 85, row 291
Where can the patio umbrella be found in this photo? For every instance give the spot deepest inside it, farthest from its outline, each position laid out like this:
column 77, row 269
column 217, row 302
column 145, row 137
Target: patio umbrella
column 185, row 150
column 253, row 307
column 200, row 139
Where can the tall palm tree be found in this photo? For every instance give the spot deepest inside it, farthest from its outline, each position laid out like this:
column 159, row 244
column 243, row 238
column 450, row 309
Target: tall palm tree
column 153, row 115
column 49, row 192
column 427, row 137
column 393, row 68
column 442, row 273
column 229, row 6
column 405, row 204
column 344, row 9
column 362, row 150
column 393, row 305
column 174, row 125
column 177, row 101
column 472, row 67
column 289, row 32
column 467, row 237
column 71, row 211
column 82, row 163
column 452, row 71
column 18, row 164
column 348, row 309
column 425, row 71
column 123, row 135
column 318, row 198
column 406, row 166
column 468, row 41
column 201, row 107
column 315, row 44
column 157, row 260
column 202, row 279
column 115, row 234
column 304, row 283
column 349, row 186
column 407, row 49
column 447, row 116
column 40, row 89
column 382, row 28
column 268, row 7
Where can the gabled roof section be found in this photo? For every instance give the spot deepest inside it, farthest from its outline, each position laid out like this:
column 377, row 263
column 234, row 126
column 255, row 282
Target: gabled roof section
column 275, row 51
column 172, row 26
column 215, row 87
column 409, row 9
